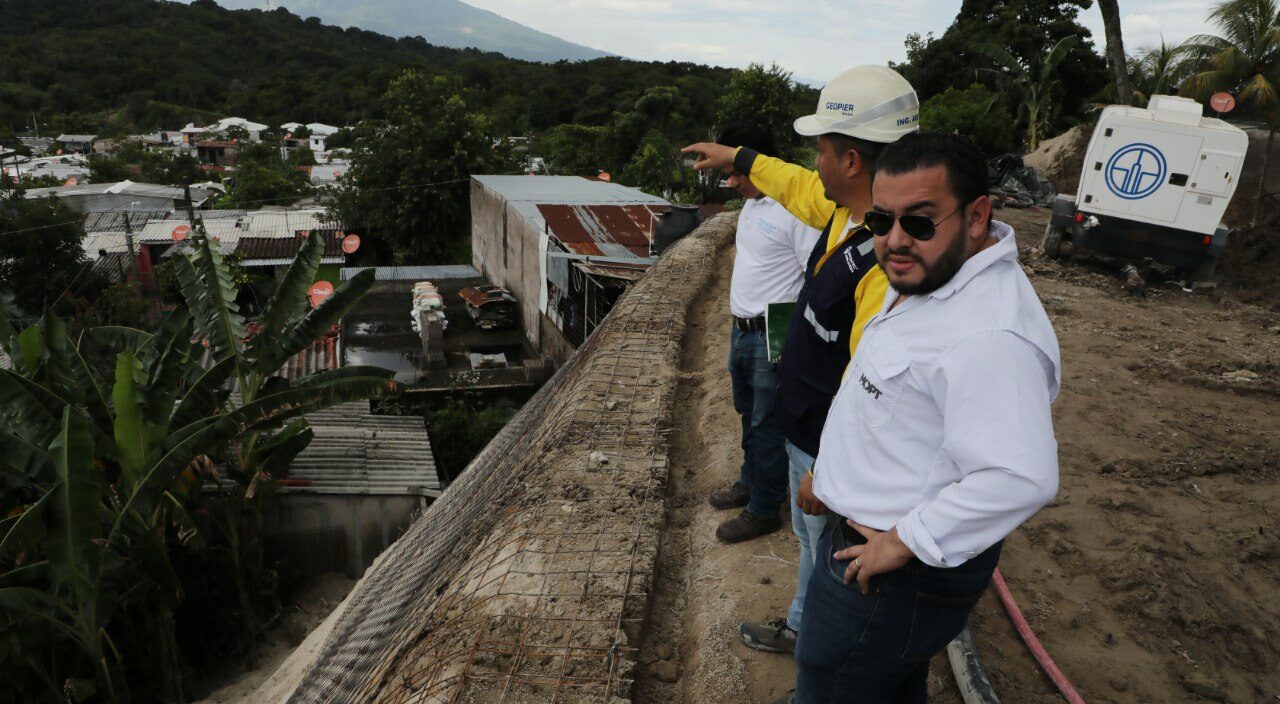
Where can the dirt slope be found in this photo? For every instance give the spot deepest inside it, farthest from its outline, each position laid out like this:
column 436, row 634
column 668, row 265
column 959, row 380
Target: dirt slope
column 1151, row 578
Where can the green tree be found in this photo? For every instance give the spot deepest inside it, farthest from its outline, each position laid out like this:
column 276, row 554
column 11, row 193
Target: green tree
column 1023, row 27
column 574, row 149
column 1243, row 60
column 654, row 167
column 1159, row 69
column 767, row 98
column 408, row 182
column 100, row 473
column 262, row 176
column 1032, row 82
column 975, row 112
column 41, row 255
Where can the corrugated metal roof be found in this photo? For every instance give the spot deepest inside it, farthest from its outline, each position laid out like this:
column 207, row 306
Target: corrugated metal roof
column 255, row 248
column 356, row 452
column 128, row 188
column 603, row 230
column 157, row 231
column 626, row 272
column 416, row 273
column 286, row 223
column 563, row 189
column 113, row 220
column 64, row 138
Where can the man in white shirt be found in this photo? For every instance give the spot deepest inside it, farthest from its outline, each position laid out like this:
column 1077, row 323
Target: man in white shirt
column 773, row 248
column 940, row 440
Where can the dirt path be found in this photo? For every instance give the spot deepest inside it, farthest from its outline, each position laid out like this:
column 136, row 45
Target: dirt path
column 1151, row 578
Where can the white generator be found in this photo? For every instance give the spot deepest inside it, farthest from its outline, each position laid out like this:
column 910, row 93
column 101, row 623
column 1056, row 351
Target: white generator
column 1154, row 186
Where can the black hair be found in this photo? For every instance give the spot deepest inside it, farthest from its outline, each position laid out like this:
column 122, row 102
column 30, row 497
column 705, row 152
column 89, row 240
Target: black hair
column 964, row 161
column 757, row 139
column 868, row 150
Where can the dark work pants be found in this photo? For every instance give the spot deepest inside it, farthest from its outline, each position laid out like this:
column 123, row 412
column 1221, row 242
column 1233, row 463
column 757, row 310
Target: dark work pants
column 875, row 648
column 764, row 461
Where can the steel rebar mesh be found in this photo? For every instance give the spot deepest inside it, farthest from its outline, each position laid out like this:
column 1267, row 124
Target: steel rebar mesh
column 529, row 579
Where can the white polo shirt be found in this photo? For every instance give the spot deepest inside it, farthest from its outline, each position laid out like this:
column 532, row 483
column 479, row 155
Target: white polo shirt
column 773, row 250
column 942, row 424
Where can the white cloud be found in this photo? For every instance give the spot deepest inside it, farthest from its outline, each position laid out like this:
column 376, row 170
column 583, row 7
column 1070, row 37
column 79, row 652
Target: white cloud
column 815, row 39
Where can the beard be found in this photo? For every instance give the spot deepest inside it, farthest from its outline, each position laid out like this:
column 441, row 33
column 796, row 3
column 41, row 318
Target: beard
column 936, row 274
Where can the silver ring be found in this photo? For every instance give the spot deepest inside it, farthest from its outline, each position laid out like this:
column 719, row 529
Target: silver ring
column 858, row 561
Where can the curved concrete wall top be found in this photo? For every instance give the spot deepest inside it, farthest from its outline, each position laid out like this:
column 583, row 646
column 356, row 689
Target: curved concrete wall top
column 529, row 579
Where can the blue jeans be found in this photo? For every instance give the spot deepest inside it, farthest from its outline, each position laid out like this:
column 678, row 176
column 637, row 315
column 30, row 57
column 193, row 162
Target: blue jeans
column 807, row 528
column 764, row 462
column 875, row 648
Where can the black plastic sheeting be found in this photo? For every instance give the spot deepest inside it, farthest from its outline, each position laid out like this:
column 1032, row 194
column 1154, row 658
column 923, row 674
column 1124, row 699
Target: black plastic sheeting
column 1019, row 184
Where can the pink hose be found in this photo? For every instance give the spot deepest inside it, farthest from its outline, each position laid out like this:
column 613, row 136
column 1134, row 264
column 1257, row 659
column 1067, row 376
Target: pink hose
column 1029, row 637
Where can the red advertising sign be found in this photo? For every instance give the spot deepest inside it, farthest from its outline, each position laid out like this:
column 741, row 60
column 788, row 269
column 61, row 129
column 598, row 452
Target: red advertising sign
column 180, row 233
column 351, row 243
column 320, row 291
column 1222, row 102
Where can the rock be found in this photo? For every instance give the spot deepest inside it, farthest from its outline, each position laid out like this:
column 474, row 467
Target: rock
column 611, row 406
column 1242, row 376
column 599, row 459
column 1203, row 686
column 666, row 670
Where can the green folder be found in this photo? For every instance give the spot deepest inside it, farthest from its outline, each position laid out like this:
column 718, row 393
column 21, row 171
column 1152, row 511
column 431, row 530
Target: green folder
column 777, row 318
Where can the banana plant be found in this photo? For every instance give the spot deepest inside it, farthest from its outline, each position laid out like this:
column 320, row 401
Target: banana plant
column 97, row 474
column 1033, row 85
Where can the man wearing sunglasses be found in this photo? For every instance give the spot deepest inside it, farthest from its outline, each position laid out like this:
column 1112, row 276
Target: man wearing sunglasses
column 940, row 439
column 859, row 112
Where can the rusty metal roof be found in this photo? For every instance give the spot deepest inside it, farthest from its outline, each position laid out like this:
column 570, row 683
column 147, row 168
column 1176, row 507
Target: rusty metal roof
column 624, row 272
column 603, row 230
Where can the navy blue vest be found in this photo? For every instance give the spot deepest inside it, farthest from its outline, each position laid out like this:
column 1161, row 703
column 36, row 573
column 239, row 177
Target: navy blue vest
column 816, row 350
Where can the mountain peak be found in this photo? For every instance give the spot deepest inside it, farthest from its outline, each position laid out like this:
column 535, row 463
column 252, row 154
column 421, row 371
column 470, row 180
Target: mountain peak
column 449, row 23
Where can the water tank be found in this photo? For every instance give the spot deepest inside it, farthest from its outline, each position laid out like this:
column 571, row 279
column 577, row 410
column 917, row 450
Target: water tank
column 674, row 224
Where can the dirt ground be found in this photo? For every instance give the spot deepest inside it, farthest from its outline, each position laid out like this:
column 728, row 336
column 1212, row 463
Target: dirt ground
column 305, row 611
column 1151, row 577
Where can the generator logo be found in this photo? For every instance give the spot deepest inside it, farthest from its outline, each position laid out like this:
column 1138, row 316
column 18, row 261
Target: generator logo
column 1136, row 171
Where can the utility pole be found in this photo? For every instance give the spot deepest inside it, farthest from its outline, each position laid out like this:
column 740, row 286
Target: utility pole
column 128, row 239
column 186, row 197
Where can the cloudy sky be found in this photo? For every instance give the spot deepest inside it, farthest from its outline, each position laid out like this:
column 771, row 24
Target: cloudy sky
column 815, row 39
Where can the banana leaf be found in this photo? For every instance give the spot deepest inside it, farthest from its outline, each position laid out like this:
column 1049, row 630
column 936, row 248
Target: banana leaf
column 201, row 399
column 318, row 320
column 31, row 410
column 130, row 433
column 25, row 529
column 287, row 303
column 75, row 507
column 119, row 336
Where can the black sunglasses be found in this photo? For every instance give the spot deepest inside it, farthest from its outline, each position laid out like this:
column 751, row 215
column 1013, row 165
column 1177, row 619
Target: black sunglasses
column 919, row 227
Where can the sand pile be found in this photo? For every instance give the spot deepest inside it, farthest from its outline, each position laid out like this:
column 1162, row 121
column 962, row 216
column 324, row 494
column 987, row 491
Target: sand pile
column 1061, row 158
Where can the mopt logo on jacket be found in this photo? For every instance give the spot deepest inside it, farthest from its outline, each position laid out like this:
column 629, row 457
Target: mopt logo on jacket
column 870, row 388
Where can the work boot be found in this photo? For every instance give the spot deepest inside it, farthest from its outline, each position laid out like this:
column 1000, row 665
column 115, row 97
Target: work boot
column 746, row 526
column 730, row 497
column 770, row 636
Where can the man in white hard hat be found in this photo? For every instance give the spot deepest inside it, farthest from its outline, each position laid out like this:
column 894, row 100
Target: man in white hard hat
column 859, row 112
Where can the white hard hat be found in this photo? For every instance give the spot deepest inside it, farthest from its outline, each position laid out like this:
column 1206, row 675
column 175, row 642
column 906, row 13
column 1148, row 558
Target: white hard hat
column 870, row 102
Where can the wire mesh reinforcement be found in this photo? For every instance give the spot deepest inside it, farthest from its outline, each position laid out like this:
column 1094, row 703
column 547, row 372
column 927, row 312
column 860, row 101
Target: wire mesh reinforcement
column 529, row 579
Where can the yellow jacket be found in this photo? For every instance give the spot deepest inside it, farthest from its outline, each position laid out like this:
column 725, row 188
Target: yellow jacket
column 801, row 192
